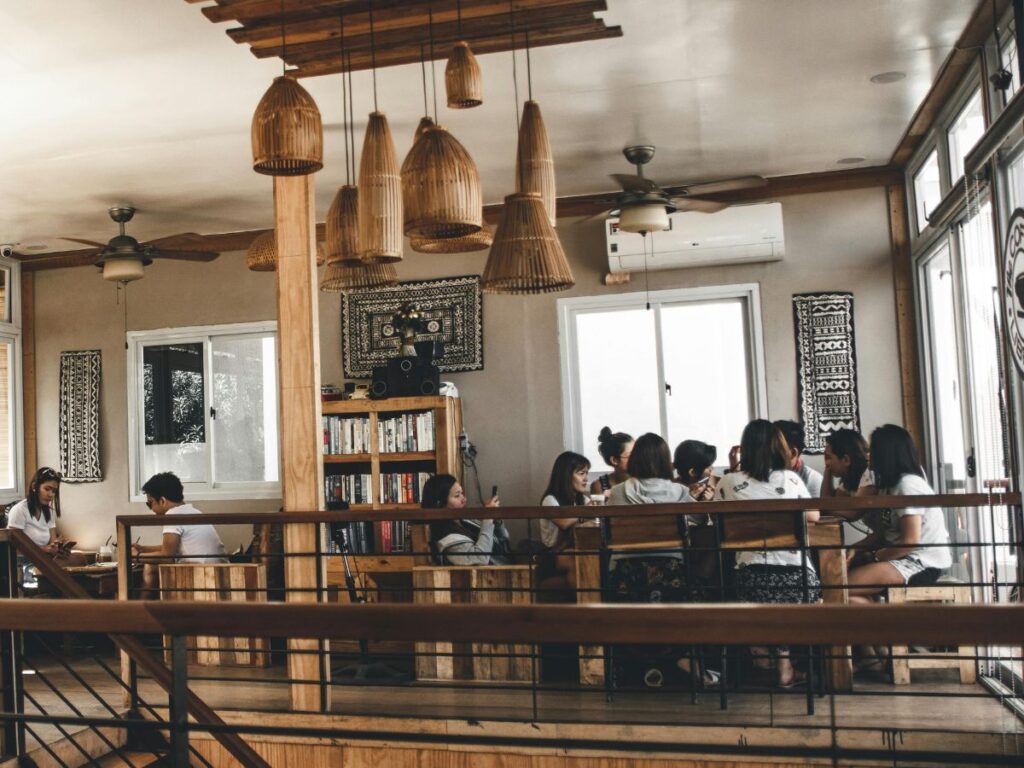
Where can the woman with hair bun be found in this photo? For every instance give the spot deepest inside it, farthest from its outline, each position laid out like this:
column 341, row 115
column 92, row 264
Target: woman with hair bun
column 615, row 448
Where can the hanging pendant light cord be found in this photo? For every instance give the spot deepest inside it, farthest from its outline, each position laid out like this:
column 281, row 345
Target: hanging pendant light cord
column 458, row 11
column 433, row 70
column 351, row 119
column 284, row 41
column 373, row 57
column 423, row 72
column 344, row 99
column 529, row 69
column 515, row 76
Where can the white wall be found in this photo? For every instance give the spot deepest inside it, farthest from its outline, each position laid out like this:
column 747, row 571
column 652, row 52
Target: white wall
column 512, row 409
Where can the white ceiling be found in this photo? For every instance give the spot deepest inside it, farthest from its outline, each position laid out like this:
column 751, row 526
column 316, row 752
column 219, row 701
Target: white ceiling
column 148, row 103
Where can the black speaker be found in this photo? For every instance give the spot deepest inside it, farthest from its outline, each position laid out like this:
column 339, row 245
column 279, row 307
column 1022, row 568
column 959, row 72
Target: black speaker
column 405, row 377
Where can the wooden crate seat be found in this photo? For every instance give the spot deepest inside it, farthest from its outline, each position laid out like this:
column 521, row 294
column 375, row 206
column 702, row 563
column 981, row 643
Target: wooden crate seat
column 961, row 659
column 220, row 582
column 479, row 584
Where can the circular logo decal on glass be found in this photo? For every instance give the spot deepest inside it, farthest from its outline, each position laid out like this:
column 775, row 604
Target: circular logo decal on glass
column 1013, row 292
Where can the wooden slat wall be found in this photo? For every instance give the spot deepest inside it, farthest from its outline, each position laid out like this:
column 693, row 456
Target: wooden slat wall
column 312, row 38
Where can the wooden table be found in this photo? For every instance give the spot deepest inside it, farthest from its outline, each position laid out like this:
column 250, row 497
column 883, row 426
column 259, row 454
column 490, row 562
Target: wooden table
column 825, row 537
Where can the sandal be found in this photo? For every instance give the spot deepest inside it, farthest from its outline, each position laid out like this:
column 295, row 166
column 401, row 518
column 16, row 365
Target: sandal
column 762, row 658
column 654, row 678
column 710, row 678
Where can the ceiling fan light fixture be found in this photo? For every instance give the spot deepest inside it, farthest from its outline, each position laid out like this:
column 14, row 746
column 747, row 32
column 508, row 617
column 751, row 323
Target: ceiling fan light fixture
column 526, row 256
column 287, row 133
column 123, row 269
column 463, row 83
column 652, row 217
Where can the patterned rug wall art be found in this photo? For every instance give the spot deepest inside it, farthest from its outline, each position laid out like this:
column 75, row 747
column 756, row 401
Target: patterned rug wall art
column 452, row 309
column 80, row 416
column 826, row 363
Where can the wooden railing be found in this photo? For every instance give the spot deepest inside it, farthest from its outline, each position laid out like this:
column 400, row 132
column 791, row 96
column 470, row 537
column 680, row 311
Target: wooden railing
column 122, row 638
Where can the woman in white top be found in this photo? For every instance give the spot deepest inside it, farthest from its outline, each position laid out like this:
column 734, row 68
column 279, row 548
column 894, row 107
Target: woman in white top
column 906, row 543
column 770, row 576
column 37, row 514
column 567, row 487
column 459, row 542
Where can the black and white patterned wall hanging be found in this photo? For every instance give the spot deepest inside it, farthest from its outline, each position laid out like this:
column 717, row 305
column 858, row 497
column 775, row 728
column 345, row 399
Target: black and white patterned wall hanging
column 826, row 365
column 80, row 416
column 452, row 309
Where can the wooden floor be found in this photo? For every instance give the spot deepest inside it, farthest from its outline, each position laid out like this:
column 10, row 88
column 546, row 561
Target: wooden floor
column 932, row 714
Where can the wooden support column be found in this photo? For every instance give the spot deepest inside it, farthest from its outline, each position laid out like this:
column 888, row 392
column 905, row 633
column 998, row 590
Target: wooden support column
column 28, row 372
column 906, row 325
column 298, row 333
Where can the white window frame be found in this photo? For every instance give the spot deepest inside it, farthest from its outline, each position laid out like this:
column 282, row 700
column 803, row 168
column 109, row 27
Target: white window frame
column 572, row 429
column 136, row 437
column 11, row 332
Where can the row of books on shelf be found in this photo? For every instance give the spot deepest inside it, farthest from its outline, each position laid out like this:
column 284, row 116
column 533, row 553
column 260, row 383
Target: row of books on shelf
column 355, row 489
column 371, row 537
column 406, row 433
column 346, row 434
column 395, row 487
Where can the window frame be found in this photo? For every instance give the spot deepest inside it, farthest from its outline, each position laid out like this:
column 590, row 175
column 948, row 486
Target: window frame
column 572, row 430
column 11, row 331
column 203, row 334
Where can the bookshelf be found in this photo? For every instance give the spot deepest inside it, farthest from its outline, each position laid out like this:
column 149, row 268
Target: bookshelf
column 377, row 454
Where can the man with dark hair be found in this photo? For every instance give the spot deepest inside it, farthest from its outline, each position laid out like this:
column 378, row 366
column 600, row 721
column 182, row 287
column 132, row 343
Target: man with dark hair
column 181, row 543
column 794, row 433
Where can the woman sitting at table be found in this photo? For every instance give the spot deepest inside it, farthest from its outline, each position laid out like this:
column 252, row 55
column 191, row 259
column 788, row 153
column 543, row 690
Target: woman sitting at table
column 459, row 542
column 567, row 487
column 614, row 448
column 654, row 577
column 694, row 462
column 775, row 576
column 37, row 514
column 909, row 544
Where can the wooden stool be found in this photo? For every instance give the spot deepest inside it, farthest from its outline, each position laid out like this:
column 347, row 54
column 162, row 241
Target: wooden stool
column 476, row 584
column 962, row 658
column 224, row 582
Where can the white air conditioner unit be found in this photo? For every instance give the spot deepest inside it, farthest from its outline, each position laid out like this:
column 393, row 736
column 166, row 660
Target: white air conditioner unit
column 740, row 234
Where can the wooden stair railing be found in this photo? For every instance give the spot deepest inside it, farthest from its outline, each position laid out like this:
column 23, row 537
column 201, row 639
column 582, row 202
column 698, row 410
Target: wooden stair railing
column 150, row 662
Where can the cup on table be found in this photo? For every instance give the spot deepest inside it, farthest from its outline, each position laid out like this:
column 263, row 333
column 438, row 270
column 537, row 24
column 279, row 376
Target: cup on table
column 597, row 499
column 106, row 554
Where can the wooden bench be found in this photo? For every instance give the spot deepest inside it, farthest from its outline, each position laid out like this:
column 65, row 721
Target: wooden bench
column 962, row 659
column 223, row 582
column 479, row 584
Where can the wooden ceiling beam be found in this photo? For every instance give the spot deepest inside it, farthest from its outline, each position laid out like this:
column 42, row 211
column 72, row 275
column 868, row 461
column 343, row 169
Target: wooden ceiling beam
column 594, row 30
column 267, row 32
column 579, row 205
column 444, row 35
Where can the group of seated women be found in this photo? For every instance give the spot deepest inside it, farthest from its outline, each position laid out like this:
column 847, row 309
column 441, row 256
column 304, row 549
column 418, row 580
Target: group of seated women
column 903, row 544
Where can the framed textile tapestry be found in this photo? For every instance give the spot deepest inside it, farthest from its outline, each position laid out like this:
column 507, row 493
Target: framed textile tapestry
column 826, row 364
column 452, row 311
column 80, row 416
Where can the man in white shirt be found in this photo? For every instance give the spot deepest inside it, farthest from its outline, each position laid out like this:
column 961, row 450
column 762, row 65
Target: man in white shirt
column 794, row 433
column 183, row 543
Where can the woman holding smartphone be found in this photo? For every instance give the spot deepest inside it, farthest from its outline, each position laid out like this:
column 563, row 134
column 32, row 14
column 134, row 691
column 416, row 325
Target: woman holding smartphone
column 460, row 542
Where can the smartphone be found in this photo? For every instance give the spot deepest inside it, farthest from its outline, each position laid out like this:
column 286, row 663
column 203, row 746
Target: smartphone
column 494, row 491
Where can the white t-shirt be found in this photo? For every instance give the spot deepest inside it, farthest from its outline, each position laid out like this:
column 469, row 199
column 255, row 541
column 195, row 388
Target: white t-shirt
column 782, row 484
column 36, row 529
column 933, row 523
column 196, row 540
column 549, row 532
column 812, row 479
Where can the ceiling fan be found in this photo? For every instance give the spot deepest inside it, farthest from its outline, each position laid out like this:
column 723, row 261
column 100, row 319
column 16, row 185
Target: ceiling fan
column 644, row 206
column 123, row 258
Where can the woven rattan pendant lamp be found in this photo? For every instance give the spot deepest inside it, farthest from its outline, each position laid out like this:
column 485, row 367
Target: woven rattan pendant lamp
column 380, row 185
column 262, row 253
column 441, row 194
column 535, row 167
column 339, row 277
column 526, row 256
column 287, row 134
column 463, row 83
column 478, row 241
